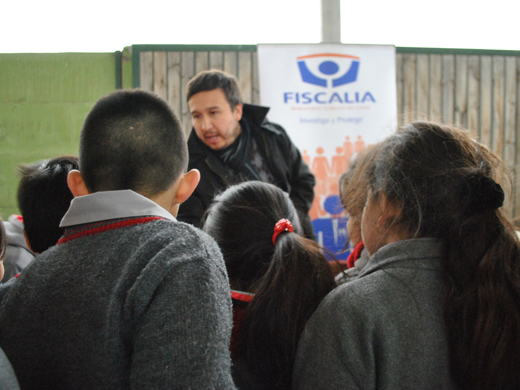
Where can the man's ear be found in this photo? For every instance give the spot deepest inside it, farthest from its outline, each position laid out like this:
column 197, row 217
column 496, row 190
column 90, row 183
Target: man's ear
column 238, row 111
column 188, row 183
column 76, row 184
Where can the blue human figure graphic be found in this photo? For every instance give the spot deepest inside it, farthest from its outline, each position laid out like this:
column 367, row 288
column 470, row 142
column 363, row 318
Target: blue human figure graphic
column 332, row 232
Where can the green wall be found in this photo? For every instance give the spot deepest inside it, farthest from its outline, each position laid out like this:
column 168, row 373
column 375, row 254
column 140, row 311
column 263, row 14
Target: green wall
column 44, row 99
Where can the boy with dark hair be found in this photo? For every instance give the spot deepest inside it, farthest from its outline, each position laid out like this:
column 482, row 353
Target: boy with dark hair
column 129, row 298
column 232, row 142
column 43, row 199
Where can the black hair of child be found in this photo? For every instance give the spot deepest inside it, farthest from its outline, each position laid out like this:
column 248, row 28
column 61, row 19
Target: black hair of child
column 289, row 278
column 131, row 139
column 44, row 198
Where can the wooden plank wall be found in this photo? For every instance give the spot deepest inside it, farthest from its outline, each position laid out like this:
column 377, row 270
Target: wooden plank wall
column 477, row 92
column 167, row 73
column 480, row 92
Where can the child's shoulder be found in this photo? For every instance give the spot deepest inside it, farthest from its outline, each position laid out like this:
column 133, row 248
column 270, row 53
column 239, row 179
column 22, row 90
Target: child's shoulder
column 176, row 245
column 186, row 239
column 183, row 231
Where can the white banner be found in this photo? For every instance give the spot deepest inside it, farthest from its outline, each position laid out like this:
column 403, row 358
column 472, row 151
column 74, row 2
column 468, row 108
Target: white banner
column 333, row 100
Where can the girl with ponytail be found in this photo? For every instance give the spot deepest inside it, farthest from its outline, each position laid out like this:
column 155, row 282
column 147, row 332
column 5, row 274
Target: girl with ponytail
column 277, row 278
column 438, row 304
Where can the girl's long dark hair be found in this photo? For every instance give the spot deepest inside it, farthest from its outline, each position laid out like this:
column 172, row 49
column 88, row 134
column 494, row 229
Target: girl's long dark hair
column 444, row 184
column 289, row 279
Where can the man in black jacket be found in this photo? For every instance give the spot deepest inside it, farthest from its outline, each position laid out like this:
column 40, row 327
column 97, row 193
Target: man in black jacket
column 232, row 142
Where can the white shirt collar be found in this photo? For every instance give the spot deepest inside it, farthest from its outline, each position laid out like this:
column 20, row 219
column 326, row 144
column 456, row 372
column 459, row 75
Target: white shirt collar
column 105, row 205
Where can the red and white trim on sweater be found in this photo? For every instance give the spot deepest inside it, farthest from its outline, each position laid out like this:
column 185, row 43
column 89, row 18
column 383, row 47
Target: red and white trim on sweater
column 101, row 227
column 355, row 254
column 242, row 296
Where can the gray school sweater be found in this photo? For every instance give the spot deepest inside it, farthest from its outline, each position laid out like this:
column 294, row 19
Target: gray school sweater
column 120, row 305
column 7, row 377
column 383, row 330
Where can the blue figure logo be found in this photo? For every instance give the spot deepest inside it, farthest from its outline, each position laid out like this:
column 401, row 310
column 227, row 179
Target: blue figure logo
column 332, row 232
column 328, row 69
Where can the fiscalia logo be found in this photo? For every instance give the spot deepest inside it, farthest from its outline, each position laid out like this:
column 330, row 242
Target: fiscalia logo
column 328, row 69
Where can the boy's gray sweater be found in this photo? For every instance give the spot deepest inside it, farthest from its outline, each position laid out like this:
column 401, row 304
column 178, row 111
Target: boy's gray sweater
column 141, row 306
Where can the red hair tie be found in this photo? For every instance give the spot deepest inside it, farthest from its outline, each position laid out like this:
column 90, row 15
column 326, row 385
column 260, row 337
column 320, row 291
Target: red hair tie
column 283, row 225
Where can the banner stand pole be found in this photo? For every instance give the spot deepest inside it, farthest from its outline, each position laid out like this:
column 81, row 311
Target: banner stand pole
column 330, row 21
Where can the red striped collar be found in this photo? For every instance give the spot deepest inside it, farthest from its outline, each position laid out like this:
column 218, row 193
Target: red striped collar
column 96, row 228
column 242, row 296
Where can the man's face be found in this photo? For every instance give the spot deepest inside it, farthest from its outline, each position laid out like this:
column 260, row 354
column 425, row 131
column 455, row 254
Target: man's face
column 215, row 123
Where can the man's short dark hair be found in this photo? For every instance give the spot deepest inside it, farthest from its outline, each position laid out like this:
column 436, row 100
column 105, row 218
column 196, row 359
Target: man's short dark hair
column 132, row 140
column 213, row 79
column 44, row 198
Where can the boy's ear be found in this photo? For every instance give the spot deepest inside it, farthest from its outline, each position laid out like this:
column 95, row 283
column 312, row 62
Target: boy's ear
column 76, row 184
column 188, row 183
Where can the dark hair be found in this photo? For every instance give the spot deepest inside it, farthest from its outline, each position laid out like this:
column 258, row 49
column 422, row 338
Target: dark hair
column 44, row 198
column 444, row 185
column 289, row 279
column 131, row 139
column 213, row 79
column 3, row 240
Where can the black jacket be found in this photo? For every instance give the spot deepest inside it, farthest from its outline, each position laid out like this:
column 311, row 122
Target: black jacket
column 282, row 157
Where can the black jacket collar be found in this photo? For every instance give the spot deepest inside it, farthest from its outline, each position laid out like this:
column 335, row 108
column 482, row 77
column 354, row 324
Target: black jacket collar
column 255, row 114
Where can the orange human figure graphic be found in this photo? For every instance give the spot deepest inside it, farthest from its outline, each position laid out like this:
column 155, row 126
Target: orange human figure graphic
column 316, row 210
column 321, row 169
column 306, row 158
column 338, row 166
column 334, row 187
column 348, row 150
column 360, row 144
